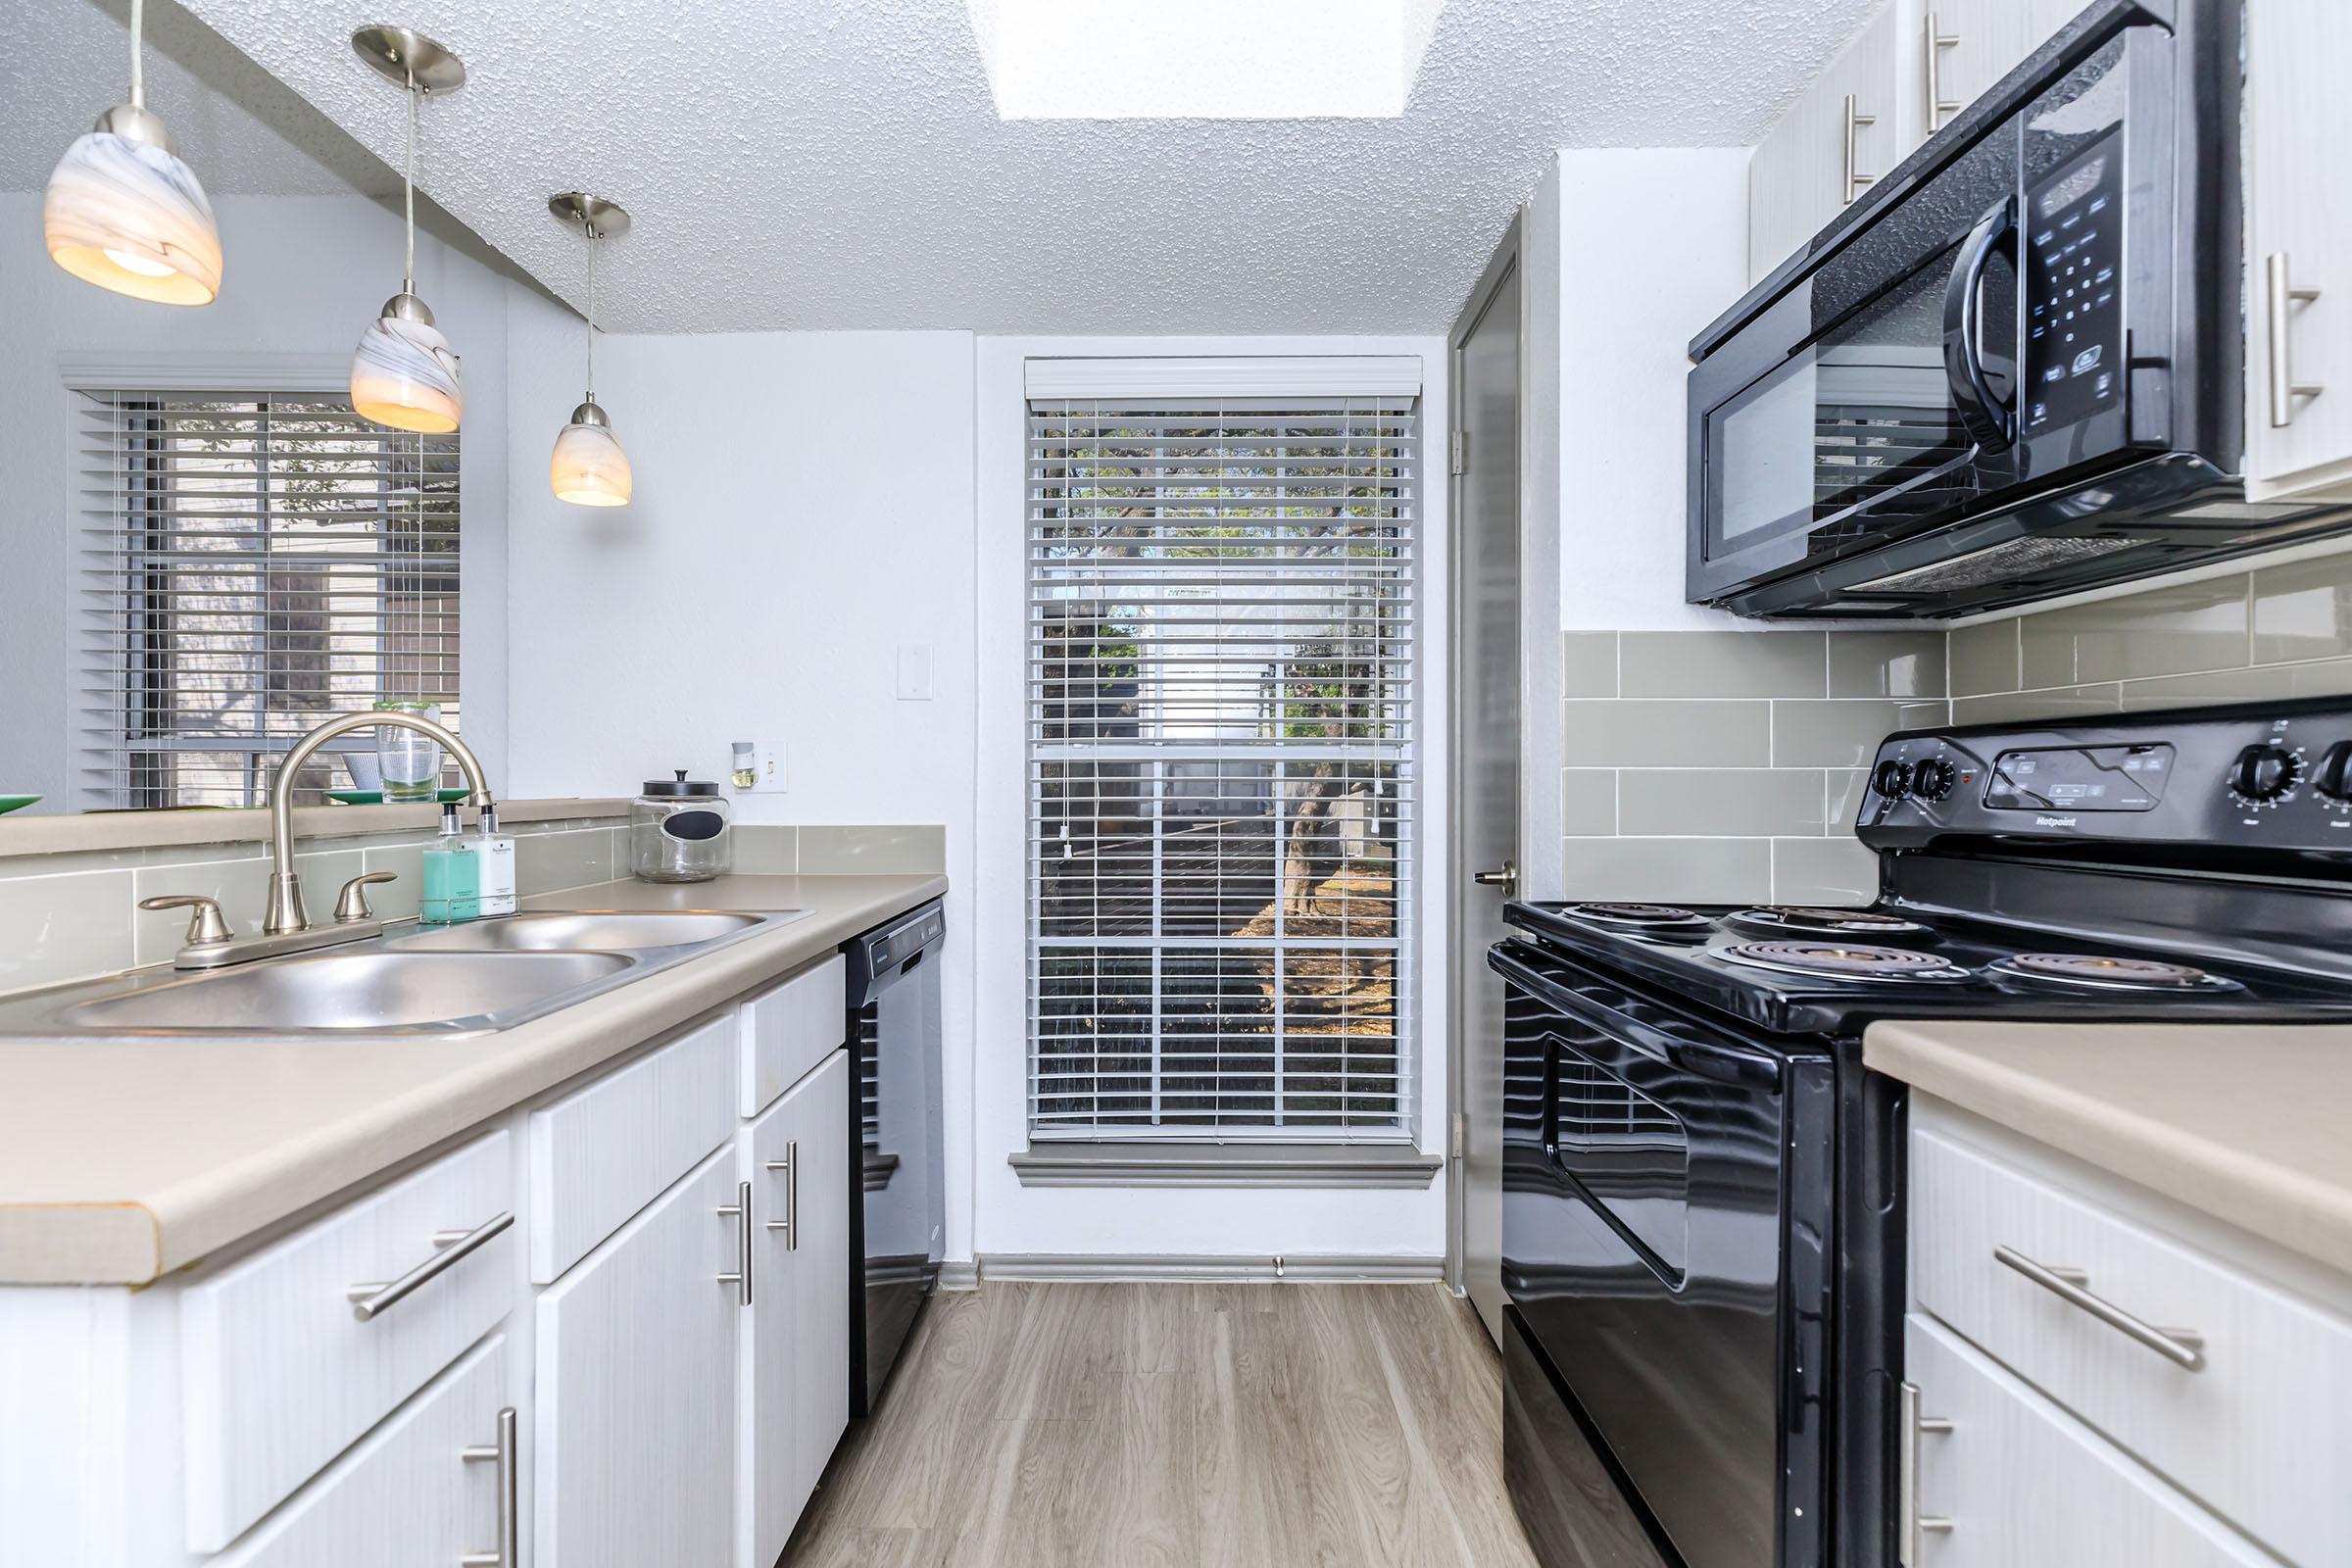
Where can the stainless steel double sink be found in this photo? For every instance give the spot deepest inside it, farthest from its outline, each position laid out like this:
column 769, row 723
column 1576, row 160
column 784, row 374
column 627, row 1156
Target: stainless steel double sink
column 421, row 982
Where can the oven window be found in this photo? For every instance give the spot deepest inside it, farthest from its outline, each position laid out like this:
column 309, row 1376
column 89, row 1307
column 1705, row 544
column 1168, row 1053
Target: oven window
column 1863, row 412
column 1631, row 1156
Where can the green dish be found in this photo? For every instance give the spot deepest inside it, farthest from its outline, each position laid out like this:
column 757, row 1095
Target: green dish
column 371, row 797
column 11, row 802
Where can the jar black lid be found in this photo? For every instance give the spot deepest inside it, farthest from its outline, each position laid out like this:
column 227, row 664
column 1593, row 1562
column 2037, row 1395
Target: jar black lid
column 680, row 785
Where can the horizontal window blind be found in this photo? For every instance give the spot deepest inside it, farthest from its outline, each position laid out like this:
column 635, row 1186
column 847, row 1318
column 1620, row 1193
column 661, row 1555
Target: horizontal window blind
column 252, row 564
column 1223, row 630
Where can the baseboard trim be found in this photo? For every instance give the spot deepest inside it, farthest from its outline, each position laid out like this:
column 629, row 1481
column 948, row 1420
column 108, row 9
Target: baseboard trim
column 962, row 1275
column 1322, row 1269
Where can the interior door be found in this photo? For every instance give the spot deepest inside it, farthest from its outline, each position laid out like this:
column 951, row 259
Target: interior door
column 1485, row 404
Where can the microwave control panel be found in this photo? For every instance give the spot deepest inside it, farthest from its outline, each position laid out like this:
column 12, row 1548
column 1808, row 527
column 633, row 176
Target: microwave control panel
column 2074, row 290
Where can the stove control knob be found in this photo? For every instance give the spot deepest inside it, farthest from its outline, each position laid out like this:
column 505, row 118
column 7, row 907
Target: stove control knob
column 2334, row 778
column 2264, row 773
column 1933, row 779
column 1892, row 779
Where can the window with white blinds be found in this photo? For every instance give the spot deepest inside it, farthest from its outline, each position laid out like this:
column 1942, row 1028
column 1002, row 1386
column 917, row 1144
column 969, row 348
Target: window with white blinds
column 1223, row 621
column 252, row 564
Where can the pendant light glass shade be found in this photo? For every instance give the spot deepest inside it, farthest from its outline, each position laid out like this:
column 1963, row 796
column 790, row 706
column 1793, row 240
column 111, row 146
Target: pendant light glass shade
column 588, row 467
column 404, row 374
column 122, row 211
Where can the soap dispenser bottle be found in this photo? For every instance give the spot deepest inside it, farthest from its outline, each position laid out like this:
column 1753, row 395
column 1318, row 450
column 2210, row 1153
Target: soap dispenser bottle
column 495, row 852
column 452, row 876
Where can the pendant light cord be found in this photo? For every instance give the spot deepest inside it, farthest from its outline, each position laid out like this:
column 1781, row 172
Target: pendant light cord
column 590, row 228
column 139, row 73
column 408, row 188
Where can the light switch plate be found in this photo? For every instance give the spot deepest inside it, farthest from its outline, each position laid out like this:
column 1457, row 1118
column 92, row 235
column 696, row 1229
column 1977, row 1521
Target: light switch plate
column 767, row 768
column 915, row 673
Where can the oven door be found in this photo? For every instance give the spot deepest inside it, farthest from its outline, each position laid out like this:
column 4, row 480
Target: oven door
column 1666, row 1239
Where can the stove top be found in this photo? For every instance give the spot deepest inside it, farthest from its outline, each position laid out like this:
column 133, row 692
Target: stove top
column 1832, row 972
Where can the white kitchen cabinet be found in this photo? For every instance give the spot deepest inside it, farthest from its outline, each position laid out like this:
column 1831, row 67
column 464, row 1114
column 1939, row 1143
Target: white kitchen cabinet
column 432, row 1484
column 787, row 1029
column 1980, row 41
column 2017, row 1483
column 2298, row 119
column 796, row 1387
column 1843, row 131
column 635, row 1397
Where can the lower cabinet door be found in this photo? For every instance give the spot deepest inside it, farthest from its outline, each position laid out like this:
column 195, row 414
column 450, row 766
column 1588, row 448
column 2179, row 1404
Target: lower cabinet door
column 406, row 1493
column 635, row 1396
column 2017, row 1483
column 796, row 1344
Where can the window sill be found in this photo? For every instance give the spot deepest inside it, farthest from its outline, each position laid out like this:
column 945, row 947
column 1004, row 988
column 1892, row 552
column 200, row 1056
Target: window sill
column 1153, row 1164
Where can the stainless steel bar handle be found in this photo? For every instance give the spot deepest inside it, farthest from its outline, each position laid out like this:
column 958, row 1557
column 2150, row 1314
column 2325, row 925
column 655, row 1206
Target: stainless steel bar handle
column 503, row 1455
column 2281, row 297
column 1913, row 1528
column 2184, row 1348
column 789, row 1168
column 740, row 1212
column 371, row 1300
column 1939, row 106
column 1856, row 179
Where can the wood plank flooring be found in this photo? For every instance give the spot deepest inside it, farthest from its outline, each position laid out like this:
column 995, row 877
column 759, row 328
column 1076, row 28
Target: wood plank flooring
column 1225, row 1425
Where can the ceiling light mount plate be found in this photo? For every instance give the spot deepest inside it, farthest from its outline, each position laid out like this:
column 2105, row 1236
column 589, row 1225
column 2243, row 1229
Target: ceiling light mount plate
column 399, row 54
column 576, row 211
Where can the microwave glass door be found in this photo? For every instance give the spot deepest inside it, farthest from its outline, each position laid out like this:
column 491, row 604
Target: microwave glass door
column 1863, row 415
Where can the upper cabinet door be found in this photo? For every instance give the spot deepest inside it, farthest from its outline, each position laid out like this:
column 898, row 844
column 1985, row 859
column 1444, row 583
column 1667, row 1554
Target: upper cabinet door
column 1977, row 42
column 1843, row 131
column 2298, row 119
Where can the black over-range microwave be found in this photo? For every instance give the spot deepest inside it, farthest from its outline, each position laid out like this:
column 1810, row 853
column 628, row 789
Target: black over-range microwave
column 2015, row 369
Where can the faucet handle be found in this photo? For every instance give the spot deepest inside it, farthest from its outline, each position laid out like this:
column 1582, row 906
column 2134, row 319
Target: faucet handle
column 351, row 905
column 206, row 925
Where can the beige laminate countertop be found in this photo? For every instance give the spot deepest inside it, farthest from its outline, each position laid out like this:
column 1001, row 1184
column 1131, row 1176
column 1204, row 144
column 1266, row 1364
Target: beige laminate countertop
column 121, row 1162
column 2249, row 1123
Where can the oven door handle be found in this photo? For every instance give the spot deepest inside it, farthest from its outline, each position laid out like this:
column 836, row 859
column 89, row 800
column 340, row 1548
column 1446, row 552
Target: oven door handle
column 1724, row 1064
column 1989, row 422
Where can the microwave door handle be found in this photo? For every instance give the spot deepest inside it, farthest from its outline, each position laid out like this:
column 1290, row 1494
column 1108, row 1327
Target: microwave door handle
column 1989, row 422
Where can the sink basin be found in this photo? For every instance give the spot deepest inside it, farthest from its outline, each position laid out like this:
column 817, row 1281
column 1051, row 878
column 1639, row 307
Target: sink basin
column 603, row 930
column 380, row 990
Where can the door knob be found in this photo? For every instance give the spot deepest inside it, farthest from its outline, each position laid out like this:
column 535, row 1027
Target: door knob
column 1506, row 876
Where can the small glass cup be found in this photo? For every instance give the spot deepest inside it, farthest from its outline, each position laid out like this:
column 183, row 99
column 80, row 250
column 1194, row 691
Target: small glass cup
column 410, row 762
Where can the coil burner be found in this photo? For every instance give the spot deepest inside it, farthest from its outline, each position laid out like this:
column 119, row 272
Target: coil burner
column 2099, row 972
column 1817, row 922
column 1844, row 961
column 1637, row 916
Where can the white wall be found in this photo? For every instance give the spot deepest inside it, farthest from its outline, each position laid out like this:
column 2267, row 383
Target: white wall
column 1652, row 246
column 804, row 507
column 1004, row 1217
column 303, row 274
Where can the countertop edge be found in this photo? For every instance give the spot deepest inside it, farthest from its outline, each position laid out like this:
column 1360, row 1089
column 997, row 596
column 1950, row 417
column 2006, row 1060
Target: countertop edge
column 145, row 1236
column 2306, row 1214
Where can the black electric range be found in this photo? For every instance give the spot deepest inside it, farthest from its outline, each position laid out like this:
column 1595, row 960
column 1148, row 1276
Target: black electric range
column 1703, row 1185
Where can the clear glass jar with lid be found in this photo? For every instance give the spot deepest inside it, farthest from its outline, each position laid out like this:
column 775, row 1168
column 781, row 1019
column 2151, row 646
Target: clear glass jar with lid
column 678, row 831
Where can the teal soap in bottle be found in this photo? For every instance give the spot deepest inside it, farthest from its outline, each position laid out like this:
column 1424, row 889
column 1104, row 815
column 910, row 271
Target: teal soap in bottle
column 452, row 891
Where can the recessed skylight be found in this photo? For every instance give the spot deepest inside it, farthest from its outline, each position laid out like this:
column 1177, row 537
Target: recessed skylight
column 1202, row 59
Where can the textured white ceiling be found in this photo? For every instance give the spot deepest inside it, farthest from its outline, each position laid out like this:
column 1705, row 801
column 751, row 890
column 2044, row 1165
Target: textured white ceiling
column 841, row 164
column 65, row 62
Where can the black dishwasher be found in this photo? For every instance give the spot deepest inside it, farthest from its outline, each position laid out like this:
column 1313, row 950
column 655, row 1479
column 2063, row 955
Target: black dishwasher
column 898, row 1232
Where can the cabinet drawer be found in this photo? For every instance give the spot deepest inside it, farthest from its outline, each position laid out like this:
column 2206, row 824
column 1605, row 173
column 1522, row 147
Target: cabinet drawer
column 2024, row 1485
column 2260, row 1432
column 787, row 1029
column 404, row 1494
column 603, row 1154
column 279, row 1372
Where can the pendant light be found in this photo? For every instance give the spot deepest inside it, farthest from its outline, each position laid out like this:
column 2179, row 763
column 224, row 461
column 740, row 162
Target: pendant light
column 588, row 467
column 122, row 211
column 403, row 373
